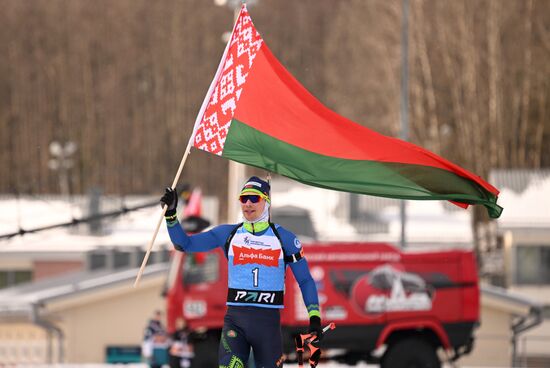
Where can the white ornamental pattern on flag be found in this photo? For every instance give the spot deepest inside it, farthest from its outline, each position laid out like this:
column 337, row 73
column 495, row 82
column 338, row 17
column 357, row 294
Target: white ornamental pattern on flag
column 244, row 44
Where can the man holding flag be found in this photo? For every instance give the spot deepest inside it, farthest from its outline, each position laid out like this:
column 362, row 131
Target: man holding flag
column 258, row 252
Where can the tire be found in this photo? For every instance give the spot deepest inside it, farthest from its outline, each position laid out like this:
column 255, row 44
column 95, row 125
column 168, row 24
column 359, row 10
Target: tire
column 411, row 353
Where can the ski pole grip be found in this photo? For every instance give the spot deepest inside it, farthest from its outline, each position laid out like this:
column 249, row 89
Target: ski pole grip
column 330, row 326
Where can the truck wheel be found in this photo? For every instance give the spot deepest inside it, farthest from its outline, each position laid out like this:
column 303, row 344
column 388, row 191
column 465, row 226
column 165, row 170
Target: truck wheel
column 411, row 353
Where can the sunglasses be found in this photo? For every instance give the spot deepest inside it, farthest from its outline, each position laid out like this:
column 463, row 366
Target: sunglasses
column 254, row 198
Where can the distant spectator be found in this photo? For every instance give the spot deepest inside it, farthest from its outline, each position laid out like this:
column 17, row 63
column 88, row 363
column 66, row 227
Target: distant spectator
column 155, row 326
column 155, row 342
column 181, row 350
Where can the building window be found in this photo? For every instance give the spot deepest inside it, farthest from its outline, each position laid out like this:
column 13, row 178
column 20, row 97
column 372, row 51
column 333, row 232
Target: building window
column 10, row 278
column 532, row 265
column 97, row 261
column 121, row 259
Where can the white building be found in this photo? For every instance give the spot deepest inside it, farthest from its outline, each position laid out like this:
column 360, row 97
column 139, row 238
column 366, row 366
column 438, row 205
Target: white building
column 524, row 251
column 116, row 240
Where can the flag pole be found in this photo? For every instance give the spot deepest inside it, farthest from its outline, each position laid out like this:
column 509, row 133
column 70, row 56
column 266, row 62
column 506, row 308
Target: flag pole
column 159, row 222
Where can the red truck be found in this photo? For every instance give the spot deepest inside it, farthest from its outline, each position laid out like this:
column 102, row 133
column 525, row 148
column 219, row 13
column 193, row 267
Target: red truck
column 390, row 307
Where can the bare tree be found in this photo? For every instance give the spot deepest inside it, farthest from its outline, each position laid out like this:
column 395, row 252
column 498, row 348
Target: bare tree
column 125, row 80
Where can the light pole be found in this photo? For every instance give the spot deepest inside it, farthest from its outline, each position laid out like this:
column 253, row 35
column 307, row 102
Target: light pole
column 404, row 104
column 62, row 162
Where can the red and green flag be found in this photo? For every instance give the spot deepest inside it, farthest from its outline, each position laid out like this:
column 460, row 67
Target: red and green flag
column 258, row 114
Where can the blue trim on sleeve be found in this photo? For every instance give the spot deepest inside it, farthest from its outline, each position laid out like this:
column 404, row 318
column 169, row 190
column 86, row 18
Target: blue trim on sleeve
column 303, row 277
column 201, row 242
column 291, row 245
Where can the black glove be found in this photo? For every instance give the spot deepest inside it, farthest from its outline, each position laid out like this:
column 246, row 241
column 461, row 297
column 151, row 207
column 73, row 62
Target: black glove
column 315, row 327
column 170, row 200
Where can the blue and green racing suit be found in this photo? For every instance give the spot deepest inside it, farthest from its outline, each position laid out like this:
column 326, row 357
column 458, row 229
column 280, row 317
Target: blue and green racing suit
column 256, row 276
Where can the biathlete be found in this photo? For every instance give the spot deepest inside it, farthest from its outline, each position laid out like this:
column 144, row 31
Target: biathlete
column 258, row 253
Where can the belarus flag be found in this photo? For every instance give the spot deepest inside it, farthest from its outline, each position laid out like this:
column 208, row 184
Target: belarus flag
column 258, row 114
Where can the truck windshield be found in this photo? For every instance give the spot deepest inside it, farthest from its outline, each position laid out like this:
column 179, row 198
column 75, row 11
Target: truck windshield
column 199, row 268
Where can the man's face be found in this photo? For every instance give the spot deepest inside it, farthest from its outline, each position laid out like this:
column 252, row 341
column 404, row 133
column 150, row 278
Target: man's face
column 252, row 211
